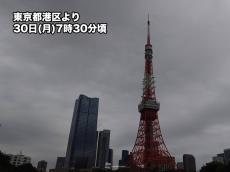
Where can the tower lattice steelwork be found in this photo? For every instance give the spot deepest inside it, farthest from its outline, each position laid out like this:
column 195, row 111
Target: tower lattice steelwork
column 150, row 150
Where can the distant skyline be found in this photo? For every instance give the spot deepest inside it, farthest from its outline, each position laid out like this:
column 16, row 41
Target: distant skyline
column 41, row 76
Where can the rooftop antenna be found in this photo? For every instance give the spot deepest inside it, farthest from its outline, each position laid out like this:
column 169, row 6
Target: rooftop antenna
column 148, row 32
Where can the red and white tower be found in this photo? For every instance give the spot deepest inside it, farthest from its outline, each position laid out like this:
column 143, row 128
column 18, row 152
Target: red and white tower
column 150, row 150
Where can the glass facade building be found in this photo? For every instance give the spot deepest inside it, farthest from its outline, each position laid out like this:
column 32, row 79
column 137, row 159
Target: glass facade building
column 189, row 163
column 103, row 148
column 124, row 158
column 81, row 149
column 226, row 156
column 110, row 158
column 60, row 163
column 42, row 165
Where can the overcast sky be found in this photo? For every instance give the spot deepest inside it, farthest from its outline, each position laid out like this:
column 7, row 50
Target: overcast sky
column 42, row 75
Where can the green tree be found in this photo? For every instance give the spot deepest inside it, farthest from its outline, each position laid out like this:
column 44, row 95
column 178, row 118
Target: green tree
column 228, row 167
column 213, row 167
column 26, row 168
column 4, row 160
column 5, row 165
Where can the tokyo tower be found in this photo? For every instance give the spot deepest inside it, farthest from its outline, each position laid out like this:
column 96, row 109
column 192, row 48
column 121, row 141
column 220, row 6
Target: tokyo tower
column 150, row 151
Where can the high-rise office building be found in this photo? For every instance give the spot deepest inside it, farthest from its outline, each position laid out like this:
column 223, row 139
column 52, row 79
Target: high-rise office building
column 81, row 149
column 60, row 163
column 42, row 165
column 124, row 158
column 103, row 148
column 110, row 157
column 189, row 163
column 227, row 156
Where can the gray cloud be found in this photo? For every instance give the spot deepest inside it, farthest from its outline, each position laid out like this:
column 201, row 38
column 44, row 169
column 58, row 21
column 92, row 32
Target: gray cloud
column 41, row 76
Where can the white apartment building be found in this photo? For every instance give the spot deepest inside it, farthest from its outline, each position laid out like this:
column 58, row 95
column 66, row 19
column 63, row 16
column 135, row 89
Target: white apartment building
column 19, row 159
